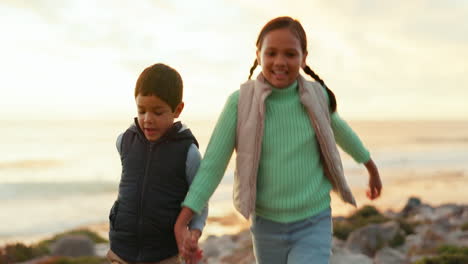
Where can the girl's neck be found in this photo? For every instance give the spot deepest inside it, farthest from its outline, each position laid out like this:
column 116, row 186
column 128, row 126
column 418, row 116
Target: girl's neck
column 291, row 86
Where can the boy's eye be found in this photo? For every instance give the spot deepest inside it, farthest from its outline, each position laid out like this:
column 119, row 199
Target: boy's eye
column 141, row 112
column 290, row 54
column 158, row 113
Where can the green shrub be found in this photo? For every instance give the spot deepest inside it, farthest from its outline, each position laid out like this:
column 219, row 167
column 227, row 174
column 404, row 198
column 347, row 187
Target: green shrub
column 80, row 260
column 342, row 229
column 362, row 217
column 464, row 227
column 398, row 240
column 407, row 226
column 453, row 250
column 92, row 235
column 444, row 259
column 365, row 212
column 19, row 252
column 448, row 254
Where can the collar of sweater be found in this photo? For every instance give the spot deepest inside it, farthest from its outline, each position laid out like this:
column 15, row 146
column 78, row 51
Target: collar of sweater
column 284, row 93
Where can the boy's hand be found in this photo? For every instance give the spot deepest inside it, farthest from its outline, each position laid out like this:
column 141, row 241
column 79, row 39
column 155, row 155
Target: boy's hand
column 181, row 234
column 193, row 254
column 187, row 241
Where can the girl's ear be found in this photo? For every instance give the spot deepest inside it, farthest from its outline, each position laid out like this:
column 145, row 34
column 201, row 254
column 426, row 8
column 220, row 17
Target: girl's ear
column 303, row 64
column 258, row 57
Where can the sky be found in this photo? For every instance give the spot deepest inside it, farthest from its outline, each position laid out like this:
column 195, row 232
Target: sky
column 78, row 59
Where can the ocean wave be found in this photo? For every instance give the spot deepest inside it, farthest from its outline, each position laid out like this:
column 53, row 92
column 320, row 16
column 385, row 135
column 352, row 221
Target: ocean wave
column 441, row 140
column 52, row 190
column 30, row 164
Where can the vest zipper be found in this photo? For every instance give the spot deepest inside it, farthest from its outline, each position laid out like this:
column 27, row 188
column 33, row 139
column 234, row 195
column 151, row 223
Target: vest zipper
column 142, row 195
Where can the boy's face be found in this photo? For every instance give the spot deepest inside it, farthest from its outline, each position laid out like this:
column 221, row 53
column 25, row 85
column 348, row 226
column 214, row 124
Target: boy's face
column 155, row 116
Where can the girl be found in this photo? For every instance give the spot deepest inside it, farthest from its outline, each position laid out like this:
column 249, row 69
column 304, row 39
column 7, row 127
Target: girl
column 283, row 128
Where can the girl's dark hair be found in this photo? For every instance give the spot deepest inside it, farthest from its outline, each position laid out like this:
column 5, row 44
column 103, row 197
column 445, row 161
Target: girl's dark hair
column 297, row 29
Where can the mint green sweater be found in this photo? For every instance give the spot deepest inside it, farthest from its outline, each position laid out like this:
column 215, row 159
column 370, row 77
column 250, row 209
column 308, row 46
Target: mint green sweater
column 291, row 184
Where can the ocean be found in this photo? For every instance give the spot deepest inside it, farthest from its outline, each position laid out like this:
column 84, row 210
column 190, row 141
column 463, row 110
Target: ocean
column 61, row 174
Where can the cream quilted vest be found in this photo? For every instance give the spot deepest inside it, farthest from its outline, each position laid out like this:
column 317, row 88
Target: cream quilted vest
column 250, row 123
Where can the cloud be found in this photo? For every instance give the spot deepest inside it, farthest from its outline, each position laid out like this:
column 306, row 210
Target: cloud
column 366, row 51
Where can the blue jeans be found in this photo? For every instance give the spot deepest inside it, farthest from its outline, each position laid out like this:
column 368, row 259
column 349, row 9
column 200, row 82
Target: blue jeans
column 306, row 241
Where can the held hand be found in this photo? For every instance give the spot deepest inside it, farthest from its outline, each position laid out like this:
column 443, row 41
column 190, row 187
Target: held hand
column 375, row 185
column 182, row 234
column 193, row 254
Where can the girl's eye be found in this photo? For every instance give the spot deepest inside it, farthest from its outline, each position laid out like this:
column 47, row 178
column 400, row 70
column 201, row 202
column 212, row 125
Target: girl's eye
column 290, row 54
column 141, row 112
column 158, row 113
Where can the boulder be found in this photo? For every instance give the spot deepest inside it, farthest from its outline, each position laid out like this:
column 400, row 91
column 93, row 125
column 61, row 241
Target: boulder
column 367, row 240
column 73, row 246
column 214, row 246
column 389, row 255
column 343, row 256
column 411, row 205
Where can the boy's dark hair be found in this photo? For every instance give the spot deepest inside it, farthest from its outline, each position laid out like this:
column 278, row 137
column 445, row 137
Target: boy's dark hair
column 297, row 29
column 162, row 81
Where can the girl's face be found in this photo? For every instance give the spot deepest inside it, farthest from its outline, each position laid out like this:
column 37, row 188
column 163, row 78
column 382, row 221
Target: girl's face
column 281, row 57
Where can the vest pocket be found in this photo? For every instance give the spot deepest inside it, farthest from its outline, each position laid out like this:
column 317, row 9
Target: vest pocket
column 113, row 214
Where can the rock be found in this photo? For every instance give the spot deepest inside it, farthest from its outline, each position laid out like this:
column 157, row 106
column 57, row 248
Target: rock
column 243, row 254
column 391, row 214
column 40, row 260
column 101, row 249
column 412, row 243
column 457, row 238
column 367, row 240
column 389, row 255
column 424, row 213
column 446, row 211
column 73, row 246
column 425, row 241
column 411, row 205
column 218, row 246
column 338, row 242
column 343, row 256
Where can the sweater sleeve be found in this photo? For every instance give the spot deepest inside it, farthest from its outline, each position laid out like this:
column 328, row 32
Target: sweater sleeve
column 118, row 143
column 346, row 138
column 216, row 158
column 191, row 167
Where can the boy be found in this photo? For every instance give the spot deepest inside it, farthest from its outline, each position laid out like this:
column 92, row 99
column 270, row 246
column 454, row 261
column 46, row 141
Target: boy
column 159, row 160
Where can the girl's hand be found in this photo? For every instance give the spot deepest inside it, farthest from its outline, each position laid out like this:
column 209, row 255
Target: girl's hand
column 375, row 185
column 183, row 235
column 193, row 254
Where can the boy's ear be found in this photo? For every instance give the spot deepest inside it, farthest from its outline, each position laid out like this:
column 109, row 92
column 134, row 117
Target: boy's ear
column 178, row 109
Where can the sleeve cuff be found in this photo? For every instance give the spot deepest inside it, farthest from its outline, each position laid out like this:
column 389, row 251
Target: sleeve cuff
column 194, row 204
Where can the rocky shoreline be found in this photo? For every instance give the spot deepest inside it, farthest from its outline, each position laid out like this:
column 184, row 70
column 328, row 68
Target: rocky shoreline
column 419, row 234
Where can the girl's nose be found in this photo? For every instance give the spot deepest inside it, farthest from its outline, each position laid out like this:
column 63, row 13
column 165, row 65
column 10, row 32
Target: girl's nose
column 279, row 60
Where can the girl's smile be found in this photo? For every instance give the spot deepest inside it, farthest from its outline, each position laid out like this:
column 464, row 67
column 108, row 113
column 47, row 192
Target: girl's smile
column 281, row 57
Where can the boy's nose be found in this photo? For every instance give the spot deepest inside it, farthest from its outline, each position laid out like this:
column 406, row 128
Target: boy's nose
column 149, row 118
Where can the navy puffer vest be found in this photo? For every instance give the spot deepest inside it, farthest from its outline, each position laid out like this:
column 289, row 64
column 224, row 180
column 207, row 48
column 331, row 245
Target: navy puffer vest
column 152, row 187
